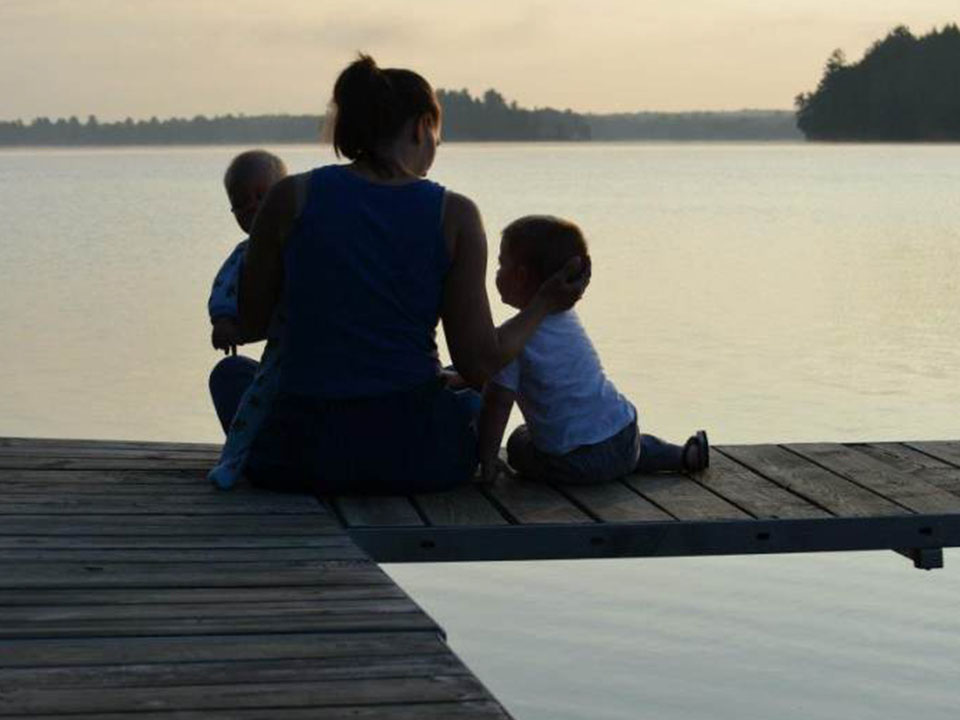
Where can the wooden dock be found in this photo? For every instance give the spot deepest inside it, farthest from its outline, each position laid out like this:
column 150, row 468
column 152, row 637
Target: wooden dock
column 129, row 586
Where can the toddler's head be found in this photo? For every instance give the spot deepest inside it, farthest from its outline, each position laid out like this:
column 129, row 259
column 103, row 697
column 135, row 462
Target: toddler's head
column 247, row 179
column 532, row 249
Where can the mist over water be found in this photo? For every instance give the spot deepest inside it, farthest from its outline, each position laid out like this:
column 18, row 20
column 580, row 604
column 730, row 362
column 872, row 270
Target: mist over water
column 766, row 292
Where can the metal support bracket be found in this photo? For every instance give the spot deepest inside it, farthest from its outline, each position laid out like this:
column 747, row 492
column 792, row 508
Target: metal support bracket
column 924, row 558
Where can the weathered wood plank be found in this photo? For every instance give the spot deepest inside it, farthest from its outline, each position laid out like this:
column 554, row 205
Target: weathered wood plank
column 169, row 575
column 347, row 551
column 320, row 693
column 158, row 504
column 821, row 487
column 912, row 493
column 238, row 606
column 151, row 479
column 755, row 494
column 137, row 525
column 379, row 510
column 237, row 671
column 464, row 505
column 174, row 542
column 256, row 646
column 946, row 450
column 192, row 461
column 218, row 625
column 915, row 463
column 683, row 498
column 19, row 597
column 535, row 503
column 71, row 444
column 614, row 502
column 464, row 710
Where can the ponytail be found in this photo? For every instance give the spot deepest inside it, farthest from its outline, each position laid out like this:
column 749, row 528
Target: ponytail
column 371, row 106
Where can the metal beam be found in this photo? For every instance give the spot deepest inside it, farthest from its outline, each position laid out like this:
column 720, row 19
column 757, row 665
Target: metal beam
column 923, row 534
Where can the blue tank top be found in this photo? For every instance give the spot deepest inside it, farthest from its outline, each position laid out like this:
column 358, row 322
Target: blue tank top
column 364, row 271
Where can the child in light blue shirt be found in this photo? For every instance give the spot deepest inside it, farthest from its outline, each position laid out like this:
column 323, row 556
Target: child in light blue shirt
column 242, row 389
column 578, row 428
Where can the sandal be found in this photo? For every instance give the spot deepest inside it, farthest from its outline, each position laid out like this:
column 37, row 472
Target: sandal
column 699, row 442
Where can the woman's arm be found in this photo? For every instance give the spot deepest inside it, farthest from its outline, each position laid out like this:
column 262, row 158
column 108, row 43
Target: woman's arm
column 477, row 348
column 497, row 404
column 262, row 276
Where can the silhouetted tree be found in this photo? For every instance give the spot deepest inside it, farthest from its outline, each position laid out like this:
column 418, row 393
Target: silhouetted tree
column 904, row 88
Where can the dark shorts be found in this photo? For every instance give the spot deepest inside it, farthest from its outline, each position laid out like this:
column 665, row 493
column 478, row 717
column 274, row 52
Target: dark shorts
column 417, row 441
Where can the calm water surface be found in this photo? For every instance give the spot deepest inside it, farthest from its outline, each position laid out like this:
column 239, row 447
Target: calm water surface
column 765, row 292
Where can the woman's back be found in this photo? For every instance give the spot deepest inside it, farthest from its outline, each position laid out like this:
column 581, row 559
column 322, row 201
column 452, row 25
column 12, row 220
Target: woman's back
column 364, row 271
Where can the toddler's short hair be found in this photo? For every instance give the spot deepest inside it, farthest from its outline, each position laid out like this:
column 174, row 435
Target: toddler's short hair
column 251, row 165
column 544, row 243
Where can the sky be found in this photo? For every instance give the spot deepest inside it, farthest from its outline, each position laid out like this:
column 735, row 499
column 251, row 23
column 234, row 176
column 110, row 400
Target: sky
column 139, row 58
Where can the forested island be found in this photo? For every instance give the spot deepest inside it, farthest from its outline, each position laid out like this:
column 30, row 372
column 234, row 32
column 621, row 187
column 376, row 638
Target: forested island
column 489, row 117
column 905, row 88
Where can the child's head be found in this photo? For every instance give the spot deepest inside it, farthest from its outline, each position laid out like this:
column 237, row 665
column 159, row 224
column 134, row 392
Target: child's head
column 247, row 179
column 532, row 249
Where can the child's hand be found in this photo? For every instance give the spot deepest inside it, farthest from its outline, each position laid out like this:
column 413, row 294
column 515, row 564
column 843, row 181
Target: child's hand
column 225, row 335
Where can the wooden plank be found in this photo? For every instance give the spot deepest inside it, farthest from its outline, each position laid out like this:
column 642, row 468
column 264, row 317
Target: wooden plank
column 913, row 462
column 62, row 443
column 174, row 542
column 12, row 454
column 755, row 494
column 29, row 462
column 346, row 551
column 19, row 597
column 246, row 695
column 80, row 478
column 367, row 510
column 23, row 617
column 683, row 498
column 169, row 575
column 912, row 493
column 946, row 450
column 821, row 487
column 144, row 525
column 464, row 505
column 237, row 671
column 534, row 503
column 256, row 646
column 144, row 504
column 235, row 625
column 465, row 710
column 614, row 502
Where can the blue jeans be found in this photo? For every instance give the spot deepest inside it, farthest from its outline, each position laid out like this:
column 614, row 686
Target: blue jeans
column 422, row 440
column 626, row 452
column 229, row 379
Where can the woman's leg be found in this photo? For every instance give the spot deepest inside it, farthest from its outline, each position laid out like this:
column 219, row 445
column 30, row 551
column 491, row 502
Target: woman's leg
column 229, row 379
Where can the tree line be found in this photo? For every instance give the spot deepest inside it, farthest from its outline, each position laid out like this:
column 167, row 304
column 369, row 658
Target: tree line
column 904, row 88
column 466, row 118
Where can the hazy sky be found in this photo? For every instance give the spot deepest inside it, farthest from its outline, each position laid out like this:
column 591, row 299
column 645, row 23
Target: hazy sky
column 115, row 58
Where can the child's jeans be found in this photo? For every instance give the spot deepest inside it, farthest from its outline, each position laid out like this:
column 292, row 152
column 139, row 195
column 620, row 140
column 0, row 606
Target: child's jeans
column 626, row 452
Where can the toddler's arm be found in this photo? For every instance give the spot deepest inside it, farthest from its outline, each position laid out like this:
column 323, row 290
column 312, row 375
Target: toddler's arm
column 497, row 404
column 222, row 305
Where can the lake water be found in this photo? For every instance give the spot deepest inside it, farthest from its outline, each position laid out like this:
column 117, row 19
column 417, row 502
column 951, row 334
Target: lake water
column 764, row 292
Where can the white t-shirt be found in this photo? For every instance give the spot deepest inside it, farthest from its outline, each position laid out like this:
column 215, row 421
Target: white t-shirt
column 565, row 398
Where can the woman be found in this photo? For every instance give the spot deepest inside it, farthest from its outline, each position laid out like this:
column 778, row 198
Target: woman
column 369, row 256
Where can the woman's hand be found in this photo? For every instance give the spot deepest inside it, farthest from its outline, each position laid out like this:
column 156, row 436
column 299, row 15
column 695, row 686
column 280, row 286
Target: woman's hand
column 566, row 286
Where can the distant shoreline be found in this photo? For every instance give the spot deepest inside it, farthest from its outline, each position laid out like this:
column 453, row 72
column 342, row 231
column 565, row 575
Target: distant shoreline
column 465, row 119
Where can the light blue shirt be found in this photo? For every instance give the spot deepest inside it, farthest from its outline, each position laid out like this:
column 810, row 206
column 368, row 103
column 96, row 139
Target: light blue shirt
column 564, row 395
